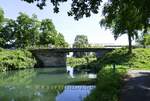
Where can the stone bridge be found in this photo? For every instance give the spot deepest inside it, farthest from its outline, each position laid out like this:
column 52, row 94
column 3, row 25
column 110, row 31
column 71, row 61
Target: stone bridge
column 56, row 57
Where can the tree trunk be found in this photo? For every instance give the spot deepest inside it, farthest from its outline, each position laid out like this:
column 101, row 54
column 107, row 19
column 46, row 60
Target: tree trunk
column 130, row 43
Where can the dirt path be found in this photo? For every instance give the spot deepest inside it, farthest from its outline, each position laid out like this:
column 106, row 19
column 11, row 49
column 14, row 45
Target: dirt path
column 137, row 88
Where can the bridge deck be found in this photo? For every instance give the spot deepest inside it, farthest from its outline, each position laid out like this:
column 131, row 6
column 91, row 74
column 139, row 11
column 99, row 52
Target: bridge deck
column 74, row 49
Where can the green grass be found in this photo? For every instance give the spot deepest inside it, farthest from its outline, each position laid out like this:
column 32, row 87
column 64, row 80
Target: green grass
column 108, row 85
column 139, row 59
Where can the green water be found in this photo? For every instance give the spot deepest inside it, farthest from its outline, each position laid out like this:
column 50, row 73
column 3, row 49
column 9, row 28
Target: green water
column 46, row 84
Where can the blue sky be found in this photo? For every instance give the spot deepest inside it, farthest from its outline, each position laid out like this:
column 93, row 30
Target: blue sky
column 64, row 24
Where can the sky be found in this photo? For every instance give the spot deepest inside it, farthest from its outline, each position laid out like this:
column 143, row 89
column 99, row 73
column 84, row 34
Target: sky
column 65, row 24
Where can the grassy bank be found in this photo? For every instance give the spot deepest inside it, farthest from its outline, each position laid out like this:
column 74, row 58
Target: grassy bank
column 15, row 59
column 109, row 82
column 139, row 59
column 108, row 85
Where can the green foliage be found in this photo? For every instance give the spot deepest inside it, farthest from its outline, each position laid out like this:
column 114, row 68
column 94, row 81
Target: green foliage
column 123, row 18
column 81, row 41
column 79, row 8
column 49, row 35
column 138, row 59
column 144, row 40
column 108, row 85
column 77, row 62
column 8, row 32
column 88, row 63
column 28, row 31
column 16, row 59
column 1, row 15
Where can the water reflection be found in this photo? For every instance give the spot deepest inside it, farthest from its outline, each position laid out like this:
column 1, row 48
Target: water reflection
column 45, row 84
column 74, row 93
column 70, row 70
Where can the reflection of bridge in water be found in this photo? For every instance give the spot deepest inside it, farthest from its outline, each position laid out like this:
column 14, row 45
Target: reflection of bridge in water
column 56, row 57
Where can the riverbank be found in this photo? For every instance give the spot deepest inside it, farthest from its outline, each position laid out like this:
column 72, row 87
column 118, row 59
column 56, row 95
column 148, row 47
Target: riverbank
column 111, row 80
column 108, row 85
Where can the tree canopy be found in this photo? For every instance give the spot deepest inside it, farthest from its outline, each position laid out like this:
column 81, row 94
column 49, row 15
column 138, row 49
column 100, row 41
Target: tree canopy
column 28, row 31
column 81, row 41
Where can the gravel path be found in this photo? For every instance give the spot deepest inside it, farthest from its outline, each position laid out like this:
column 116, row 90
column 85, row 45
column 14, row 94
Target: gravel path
column 137, row 87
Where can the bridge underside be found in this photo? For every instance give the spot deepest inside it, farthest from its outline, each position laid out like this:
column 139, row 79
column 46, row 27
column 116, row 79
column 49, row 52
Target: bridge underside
column 57, row 57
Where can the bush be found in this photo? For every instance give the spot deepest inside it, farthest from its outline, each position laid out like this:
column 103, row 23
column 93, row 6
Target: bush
column 108, row 85
column 16, row 59
column 74, row 62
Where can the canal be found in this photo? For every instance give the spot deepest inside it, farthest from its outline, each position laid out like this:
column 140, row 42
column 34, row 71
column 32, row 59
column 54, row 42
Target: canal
column 45, row 84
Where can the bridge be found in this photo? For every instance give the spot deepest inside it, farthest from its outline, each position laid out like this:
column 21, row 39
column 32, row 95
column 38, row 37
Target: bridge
column 56, row 57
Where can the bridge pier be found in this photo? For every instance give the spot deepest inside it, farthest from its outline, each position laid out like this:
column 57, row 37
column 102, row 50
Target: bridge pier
column 50, row 59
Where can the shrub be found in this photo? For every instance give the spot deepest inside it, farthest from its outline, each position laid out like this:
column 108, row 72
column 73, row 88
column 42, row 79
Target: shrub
column 16, row 59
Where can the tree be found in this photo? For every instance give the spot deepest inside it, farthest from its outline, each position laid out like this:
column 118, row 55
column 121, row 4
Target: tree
column 27, row 30
column 34, row 30
column 81, row 41
column 8, row 33
column 60, row 41
column 49, row 35
column 48, row 32
column 122, row 19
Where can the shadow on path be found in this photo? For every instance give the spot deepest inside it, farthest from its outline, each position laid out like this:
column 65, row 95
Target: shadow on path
column 137, row 88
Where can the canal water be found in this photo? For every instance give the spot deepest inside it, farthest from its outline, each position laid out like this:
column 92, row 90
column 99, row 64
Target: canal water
column 44, row 84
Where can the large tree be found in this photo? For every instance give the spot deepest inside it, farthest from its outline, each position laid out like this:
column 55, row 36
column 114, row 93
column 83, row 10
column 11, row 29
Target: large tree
column 122, row 18
column 26, row 29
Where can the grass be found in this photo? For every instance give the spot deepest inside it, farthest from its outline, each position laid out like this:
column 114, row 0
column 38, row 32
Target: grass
column 108, row 85
column 139, row 59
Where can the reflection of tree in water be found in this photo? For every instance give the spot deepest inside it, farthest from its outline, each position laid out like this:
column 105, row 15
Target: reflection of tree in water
column 31, row 93
column 23, row 77
column 18, row 87
column 35, row 85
